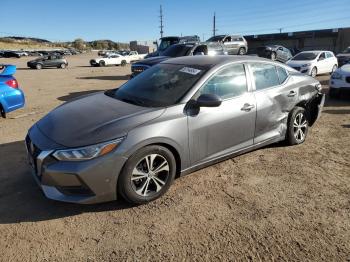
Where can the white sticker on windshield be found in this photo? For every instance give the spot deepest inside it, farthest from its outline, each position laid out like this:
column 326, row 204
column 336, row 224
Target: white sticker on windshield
column 189, row 70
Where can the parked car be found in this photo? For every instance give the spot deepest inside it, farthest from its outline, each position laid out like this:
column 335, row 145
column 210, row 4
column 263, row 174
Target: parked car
column 275, row 52
column 235, row 44
column 110, row 59
column 48, row 61
column 178, row 50
column 10, row 54
column 344, row 57
column 11, row 96
column 176, row 117
column 168, row 41
column 134, row 56
column 340, row 80
column 314, row 62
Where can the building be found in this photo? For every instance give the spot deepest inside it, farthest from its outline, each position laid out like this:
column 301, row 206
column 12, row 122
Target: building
column 143, row 47
column 334, row 40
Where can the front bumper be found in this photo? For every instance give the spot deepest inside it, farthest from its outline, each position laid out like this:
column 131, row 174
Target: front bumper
column 83, row 182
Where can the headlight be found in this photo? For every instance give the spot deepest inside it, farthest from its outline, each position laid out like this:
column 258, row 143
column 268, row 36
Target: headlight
column 306, row 65
column 88, row 152
column 336, row 75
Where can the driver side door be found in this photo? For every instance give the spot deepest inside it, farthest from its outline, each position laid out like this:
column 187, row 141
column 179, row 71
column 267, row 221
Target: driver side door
column 217, row 131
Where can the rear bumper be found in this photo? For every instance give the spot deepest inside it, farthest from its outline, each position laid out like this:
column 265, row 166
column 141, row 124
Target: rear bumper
column 12, row 99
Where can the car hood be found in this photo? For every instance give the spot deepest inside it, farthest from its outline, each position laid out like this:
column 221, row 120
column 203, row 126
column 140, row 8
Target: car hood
column 152, row 60
column 93, row 119
column 345, row 69
column 343, row 55
column 299, row 62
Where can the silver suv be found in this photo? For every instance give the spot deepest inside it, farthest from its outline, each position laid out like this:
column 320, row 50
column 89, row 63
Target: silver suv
column 235, row 44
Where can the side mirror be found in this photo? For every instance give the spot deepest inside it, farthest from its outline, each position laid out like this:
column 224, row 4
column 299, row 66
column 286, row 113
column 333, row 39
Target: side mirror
column 209, row 100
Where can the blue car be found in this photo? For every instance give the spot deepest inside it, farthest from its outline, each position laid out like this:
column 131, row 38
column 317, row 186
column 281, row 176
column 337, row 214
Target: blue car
column 11, row 97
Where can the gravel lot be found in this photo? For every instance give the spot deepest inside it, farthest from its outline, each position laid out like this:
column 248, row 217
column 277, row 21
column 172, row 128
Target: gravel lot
column 277, row 203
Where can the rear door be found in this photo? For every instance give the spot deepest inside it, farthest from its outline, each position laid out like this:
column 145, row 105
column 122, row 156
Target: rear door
column 274, row 95
column 217, row 131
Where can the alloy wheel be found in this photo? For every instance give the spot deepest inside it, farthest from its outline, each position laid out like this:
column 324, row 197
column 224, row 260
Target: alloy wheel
column 150, row 175
column 299, row 127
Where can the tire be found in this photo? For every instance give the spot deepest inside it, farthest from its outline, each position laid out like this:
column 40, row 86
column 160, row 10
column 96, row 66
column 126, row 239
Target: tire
column 241, row 51
column 62, row 66
column 298, row 126
column 333, row 69
column 273, row 56
column 102, row 63
column 2, row 112
column 137, row 185
column 38, row 66
column 123, row 63
column 313, row 72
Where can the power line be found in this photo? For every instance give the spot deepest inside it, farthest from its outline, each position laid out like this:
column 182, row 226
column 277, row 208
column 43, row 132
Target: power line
column 161, row 21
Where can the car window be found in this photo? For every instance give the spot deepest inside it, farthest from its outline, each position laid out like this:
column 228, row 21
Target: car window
column 322, row 55
column 226, row 83
column 228, row 39
column 282, row 74
column 265, row 75
column 329, row 55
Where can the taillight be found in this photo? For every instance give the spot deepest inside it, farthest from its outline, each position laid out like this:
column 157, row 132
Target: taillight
column 12, row 83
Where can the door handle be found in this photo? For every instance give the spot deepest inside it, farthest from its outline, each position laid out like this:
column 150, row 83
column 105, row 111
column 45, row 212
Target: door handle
column 247, row 107
column 292, row 93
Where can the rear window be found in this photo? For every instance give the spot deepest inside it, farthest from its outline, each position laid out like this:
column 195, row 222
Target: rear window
column 282, row 74
column 265, row 75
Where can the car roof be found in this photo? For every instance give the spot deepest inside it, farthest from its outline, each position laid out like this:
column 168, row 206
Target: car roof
column 212, row 61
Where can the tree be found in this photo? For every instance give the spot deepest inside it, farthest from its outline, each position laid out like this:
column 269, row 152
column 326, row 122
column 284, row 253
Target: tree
column 79, row 44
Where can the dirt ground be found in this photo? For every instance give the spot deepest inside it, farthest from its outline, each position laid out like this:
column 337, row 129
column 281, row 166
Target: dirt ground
column 278, row 203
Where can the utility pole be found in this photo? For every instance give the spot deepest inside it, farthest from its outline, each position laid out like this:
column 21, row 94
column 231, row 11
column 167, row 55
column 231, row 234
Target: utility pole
column 161, row 21
column 280, row 30
column 214, row 25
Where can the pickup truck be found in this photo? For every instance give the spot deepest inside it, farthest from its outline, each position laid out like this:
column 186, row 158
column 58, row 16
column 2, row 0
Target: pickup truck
column 134, row 56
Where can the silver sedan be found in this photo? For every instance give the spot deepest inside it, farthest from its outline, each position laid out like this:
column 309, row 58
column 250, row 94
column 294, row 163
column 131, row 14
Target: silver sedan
column 177, row 117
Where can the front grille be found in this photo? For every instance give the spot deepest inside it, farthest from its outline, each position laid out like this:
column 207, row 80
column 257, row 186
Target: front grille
column 33, row 152
column 348, row 79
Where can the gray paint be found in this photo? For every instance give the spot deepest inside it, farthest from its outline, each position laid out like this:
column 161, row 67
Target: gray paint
column 199, row 138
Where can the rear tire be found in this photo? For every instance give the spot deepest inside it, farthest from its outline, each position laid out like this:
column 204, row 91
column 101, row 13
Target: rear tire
column 140, row 182
column 123, row 63
column 298, row 126
column 38, row 66
column 62, row 66
column 241, row 51
column 273, row 56
column 333, row 69
column 2, row 112
column 102, row 63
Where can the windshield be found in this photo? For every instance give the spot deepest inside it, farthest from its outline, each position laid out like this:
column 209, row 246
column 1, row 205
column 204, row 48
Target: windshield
column 347, row 50
column 177, row 50
column 216, row 38
column 165, row 43
column 159, row 86
column 305, row 56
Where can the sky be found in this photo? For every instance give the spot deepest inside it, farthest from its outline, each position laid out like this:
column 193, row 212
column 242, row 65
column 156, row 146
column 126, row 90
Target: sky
column 124, row 21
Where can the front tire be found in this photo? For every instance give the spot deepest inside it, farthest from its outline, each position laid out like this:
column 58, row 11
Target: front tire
column 298, row 126
column 62, row 66
column 147, row 175
column 102, row 63
column 38, row 66
column 123, row 63
column 313, row 72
